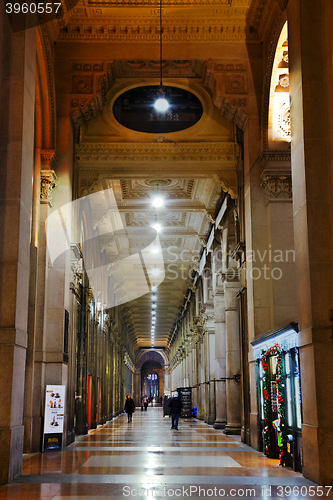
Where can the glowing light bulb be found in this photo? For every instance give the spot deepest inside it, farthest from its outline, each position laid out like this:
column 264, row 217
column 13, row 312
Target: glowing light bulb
column 154, row 288
column 158, row 202
column 157, row 227
column 154, row 306
column 155, row 271
column 161, row 105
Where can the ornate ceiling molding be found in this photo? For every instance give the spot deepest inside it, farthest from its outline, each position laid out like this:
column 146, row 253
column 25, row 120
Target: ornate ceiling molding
column 227, row 80
column 141, row 160
column 156, row 3
column 211, row 32
column 258, row 17
column 183, row 151
column 205, row 20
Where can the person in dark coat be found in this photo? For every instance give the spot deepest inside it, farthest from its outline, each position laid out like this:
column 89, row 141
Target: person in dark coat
column 129, row 407
column 176, row 406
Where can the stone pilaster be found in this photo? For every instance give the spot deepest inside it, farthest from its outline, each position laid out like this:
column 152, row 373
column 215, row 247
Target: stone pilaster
column 220, row 359
column 311, row 148
column 17, row 94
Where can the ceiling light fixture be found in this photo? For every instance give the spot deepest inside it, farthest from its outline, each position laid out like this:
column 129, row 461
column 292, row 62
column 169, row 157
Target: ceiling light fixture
column 155, row 271
column 161, row 104
column 158, row 202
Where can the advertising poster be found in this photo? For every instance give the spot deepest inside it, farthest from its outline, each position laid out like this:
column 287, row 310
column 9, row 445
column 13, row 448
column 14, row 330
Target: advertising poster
column 54, row 417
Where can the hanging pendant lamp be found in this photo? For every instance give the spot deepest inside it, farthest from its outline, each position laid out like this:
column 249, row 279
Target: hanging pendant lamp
column 161, row 104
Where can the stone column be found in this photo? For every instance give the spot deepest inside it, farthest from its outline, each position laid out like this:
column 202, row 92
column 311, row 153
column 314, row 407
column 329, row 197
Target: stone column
column 310, row 56
column 190, row 363
column 167, row 384
column 233, row 389
column 195, row 379
column 187, row 365
column 35, row 356
column 220, row 359
column 210, row 414
column 136, row 385
column 17, row 94
column 201, row 369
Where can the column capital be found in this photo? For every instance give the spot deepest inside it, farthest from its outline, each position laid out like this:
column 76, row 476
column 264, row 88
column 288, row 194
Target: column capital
column 230, row 276
column 47, row 183
column 277, row 186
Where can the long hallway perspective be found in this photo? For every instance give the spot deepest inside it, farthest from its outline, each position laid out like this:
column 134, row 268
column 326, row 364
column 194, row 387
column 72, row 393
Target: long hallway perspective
column 166, row 225
column 147, row 459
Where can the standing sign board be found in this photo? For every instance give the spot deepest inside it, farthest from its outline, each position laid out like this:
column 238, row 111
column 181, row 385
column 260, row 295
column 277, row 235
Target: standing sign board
column 54, row 417
column 186, row 397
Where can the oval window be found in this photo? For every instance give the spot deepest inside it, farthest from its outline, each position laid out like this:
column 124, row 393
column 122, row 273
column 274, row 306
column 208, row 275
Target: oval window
column 135, row 109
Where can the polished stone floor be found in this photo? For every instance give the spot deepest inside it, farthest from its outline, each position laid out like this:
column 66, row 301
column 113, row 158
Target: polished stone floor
column 147, row 459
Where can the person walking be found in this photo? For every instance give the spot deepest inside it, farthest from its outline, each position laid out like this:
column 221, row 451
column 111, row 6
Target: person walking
column 176, row 406
column 129, row 407
column 145, row 402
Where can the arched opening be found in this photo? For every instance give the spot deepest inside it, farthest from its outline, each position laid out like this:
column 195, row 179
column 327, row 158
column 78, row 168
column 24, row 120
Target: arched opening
column 152, row 384
column 279, row 107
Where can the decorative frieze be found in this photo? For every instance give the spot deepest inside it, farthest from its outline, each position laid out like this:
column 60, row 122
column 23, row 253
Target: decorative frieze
column 47, row 184
column 172, row 151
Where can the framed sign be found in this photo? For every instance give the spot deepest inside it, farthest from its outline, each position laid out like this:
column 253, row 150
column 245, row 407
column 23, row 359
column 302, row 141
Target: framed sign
column 185, row 394
column 54, row 417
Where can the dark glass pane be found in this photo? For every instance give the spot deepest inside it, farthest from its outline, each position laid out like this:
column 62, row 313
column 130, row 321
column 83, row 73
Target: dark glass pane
column 135, row 110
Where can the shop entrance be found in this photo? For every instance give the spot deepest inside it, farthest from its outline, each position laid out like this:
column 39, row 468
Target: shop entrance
column 279, row 398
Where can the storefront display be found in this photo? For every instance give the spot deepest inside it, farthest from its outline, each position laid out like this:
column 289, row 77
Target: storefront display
column 275, row 438
column 279, row 396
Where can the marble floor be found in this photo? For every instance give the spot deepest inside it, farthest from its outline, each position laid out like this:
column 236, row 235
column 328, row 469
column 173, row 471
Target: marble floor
column 147, row 459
